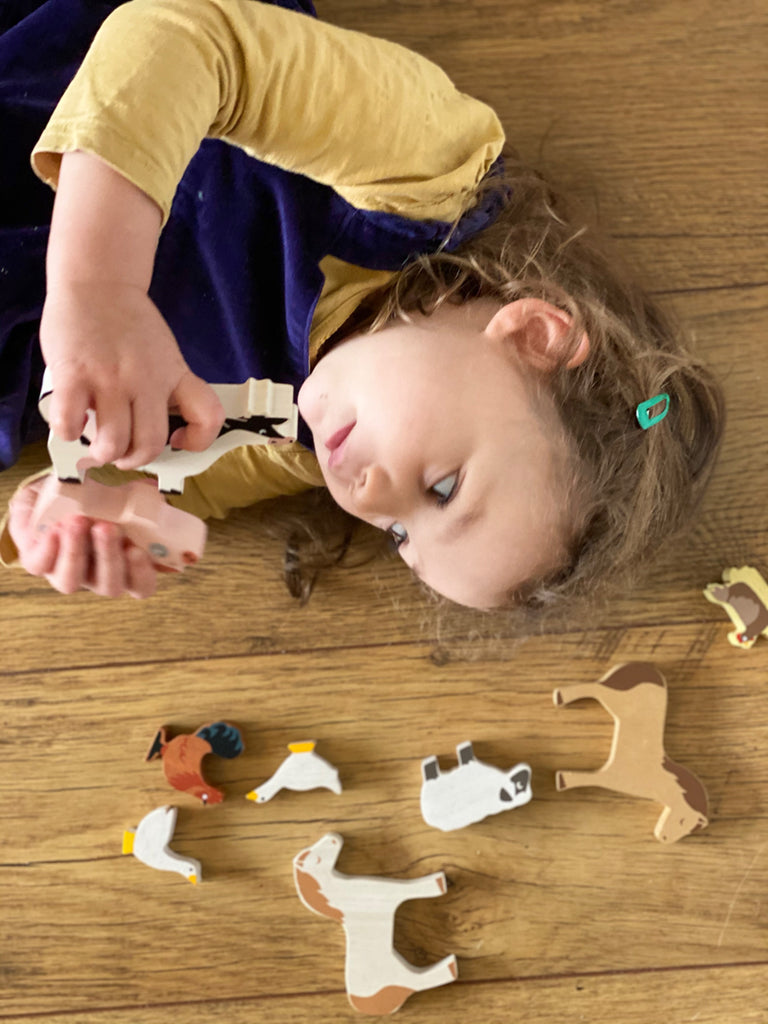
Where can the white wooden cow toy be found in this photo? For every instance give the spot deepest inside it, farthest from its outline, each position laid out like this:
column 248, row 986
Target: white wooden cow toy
column 470, row 792
column 257, row 412
column 302, row 770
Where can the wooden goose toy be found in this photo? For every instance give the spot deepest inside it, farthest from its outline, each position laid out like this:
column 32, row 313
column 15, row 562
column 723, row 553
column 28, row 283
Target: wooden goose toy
column 148, row 842
column 302, row 770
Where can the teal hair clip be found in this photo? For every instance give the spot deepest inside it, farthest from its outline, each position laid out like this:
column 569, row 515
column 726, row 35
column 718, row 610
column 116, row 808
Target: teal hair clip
column 643, row 412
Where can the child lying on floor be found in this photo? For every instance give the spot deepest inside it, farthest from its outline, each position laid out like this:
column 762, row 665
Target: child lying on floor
column 243, row 190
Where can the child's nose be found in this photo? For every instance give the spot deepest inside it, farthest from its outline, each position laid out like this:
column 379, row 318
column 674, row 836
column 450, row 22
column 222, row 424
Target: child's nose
column 373, row 494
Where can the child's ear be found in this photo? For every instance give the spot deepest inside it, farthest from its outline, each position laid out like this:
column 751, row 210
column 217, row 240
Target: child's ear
column 540, row 334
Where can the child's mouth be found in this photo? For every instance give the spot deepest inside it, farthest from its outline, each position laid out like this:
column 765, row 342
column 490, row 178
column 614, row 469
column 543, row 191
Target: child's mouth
column 335, row 443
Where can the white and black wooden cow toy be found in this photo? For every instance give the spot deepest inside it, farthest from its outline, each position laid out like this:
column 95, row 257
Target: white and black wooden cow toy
column 470, row 792
column 257, row 412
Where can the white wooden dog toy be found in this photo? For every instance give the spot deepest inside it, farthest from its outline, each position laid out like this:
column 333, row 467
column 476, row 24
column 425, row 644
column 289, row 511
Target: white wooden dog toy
column 470, row 792
column 302, row 770
column 378, row 979
column 148, row 842
column 635, row 695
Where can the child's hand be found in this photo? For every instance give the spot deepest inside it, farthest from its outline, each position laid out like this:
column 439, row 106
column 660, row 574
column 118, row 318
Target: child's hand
column 104, row 340
column 109, row 349
column 79, row 553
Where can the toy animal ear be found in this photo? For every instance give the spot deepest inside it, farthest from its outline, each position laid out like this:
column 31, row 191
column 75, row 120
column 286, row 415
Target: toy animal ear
column 540, row 334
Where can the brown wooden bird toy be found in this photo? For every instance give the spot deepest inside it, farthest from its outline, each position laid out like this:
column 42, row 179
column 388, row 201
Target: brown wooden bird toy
column 182, row 757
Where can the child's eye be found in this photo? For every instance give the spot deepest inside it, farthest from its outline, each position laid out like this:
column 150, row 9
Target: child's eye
column 398, row 533
column 445, row 489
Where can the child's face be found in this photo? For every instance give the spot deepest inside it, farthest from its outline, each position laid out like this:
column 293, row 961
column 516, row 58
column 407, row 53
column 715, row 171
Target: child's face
column 428, row 430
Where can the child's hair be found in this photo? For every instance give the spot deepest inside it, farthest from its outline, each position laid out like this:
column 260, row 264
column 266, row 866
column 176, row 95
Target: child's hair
column 630, row 488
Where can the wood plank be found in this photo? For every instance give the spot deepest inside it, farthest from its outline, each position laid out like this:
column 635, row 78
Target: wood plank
column 572, row 884
column 647, row 110
column 566, row 910
column 727, row 995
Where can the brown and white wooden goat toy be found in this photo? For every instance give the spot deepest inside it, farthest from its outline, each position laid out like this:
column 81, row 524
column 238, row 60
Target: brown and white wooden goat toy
column 635, row 695
column 378, row 979
column 744, row 596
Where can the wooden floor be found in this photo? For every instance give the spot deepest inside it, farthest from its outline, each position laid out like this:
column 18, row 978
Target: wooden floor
column 565, row 911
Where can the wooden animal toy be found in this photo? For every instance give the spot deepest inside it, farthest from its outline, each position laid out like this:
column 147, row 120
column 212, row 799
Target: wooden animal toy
column 148, row 842
column 378, row 979
column 257, row 412
column 635, row 695
column 173, row 539
column 470, row 792
column 744, row 595
column 303, row 769
column 182, row 757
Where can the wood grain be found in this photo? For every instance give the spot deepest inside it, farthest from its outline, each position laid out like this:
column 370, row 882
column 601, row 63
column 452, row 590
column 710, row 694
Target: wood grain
column 566, row 910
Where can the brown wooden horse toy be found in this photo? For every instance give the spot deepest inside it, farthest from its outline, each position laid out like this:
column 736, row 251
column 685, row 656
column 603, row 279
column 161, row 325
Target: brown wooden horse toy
column 635, row 695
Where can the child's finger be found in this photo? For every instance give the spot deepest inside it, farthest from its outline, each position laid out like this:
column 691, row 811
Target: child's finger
column 199, row 405
column 39, row 554
column 108, row 575
column 149, row 433
column 141, row 575
column 68, row 409
column 113, row 428
column 74, row 556
column 20, row 509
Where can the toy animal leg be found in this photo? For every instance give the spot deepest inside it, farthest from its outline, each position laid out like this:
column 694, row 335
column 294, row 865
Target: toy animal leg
column 389, row 893
column 465, row 753
column 390, row 997
column 423, row 888
column 579, row 691
column 442, row 973
column 572, row 780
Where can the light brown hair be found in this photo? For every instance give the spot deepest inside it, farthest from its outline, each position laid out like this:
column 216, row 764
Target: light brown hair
column 629, row 488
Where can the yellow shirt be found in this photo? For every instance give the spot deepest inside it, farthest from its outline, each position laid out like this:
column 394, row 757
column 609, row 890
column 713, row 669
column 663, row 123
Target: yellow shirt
column 378, row 123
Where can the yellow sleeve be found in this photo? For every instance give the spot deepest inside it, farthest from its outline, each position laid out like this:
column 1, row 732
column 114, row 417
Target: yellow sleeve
column 380, row 124
column 248, row 475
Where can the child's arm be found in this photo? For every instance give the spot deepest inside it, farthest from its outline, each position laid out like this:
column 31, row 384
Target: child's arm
column 108, row 349
column 380, row 124
column 106, row 344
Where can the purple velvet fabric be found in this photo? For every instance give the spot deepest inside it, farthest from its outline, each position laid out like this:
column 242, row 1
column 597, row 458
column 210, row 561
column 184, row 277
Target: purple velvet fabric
column 236, row 274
